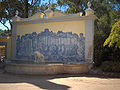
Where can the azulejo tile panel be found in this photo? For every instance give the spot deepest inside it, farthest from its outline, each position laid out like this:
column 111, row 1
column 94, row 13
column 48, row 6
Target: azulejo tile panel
column 60, row 46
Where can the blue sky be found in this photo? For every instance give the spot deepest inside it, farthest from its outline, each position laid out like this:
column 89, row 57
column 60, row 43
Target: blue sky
column 3, row 27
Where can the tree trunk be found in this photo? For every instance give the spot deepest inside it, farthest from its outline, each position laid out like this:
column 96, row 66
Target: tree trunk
column 26, row 8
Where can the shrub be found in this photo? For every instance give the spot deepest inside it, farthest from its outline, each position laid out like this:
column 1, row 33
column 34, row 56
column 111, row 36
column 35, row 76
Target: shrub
column 111, row 66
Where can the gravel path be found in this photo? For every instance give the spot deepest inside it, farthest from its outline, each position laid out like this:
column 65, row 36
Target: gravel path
column 58, row 82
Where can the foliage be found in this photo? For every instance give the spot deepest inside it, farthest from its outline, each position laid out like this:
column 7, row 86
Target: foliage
column 9, row 7
column 114, row 37
column 7, row 11
column 111, row 66
column 106, row 13
column 74, row 6
column 103, row 26
column 41, row 8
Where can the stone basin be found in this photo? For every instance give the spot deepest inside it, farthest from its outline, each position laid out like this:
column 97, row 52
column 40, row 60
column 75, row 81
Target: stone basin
column 47, row 68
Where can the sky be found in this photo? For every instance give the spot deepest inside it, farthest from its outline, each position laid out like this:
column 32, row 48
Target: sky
column 3, row 27
column 42, row 2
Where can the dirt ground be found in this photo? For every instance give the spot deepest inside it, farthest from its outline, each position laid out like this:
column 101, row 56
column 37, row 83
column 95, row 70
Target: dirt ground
column 57, row 82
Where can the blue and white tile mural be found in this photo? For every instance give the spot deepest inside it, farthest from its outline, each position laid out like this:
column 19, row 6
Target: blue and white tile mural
column 60, row 46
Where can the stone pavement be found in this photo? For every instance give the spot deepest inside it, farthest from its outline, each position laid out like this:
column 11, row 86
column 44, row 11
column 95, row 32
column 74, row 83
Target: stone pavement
column 57, row 82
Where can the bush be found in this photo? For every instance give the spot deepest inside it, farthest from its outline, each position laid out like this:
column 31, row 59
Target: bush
column 111, row 66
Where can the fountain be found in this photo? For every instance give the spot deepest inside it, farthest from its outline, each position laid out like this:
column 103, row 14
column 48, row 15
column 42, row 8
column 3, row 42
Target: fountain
column 52, row 43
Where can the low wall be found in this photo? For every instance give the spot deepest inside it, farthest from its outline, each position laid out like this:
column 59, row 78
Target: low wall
column 47, row 69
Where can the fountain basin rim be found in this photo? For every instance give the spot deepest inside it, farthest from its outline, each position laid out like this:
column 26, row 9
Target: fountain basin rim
column 47, row 69
column 50, row 64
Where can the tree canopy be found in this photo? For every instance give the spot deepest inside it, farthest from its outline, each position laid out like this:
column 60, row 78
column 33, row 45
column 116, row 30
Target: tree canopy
column 114, row 37
column 9, row 7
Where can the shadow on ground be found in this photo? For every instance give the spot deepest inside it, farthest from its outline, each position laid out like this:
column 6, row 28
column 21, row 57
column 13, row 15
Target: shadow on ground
column 41, row 81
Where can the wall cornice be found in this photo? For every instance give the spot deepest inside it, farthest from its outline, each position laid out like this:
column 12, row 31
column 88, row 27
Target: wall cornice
column 57, row 19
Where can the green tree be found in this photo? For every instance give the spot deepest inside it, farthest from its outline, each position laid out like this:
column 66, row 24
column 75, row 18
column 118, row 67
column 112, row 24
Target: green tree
column 7, row 10
column 74, row 6
column 9, row 7
column 114, row 37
